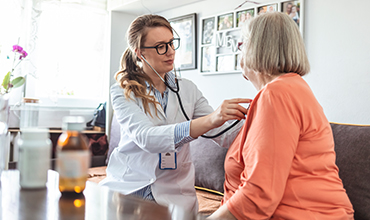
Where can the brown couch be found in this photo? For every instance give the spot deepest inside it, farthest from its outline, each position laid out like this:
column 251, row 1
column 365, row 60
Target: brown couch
column 352, row 146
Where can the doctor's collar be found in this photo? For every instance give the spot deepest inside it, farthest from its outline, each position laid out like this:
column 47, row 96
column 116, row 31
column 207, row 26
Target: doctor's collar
column 169, row 77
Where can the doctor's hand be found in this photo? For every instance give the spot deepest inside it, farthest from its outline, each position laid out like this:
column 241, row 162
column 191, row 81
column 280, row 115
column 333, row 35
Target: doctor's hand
column 229, row 110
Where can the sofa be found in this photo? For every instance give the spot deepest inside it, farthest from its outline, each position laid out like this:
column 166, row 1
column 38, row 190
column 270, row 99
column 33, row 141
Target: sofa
column 352, row 147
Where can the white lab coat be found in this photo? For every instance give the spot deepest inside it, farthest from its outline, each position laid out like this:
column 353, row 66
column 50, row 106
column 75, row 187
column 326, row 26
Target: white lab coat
column 134, row 164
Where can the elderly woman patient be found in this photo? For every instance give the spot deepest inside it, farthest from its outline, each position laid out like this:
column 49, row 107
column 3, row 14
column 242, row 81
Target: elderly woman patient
column 282, row 163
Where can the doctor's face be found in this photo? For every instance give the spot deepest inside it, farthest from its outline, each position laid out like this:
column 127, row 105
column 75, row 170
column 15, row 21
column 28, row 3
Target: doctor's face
column 161, row 63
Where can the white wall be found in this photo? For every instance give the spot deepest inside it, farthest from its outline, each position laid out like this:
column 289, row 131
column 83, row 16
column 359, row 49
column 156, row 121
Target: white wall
column 337, row 46
column 119, row 23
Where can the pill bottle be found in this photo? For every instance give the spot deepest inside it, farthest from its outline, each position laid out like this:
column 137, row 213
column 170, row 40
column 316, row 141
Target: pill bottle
column 34, row 157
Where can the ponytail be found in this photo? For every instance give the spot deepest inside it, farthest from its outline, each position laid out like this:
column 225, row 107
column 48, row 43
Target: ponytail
column 131, row 78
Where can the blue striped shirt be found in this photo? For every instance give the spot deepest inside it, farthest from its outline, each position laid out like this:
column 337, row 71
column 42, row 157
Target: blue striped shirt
column 182, row 130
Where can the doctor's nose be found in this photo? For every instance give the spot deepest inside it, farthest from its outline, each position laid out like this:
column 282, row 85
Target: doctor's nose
column 171, row 51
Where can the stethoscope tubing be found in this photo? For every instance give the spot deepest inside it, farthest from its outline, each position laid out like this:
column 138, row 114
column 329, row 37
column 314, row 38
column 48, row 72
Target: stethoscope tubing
column 180, row 102
column 186, row 116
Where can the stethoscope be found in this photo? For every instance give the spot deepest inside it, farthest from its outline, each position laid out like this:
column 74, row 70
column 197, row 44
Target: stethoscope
column 180, row 102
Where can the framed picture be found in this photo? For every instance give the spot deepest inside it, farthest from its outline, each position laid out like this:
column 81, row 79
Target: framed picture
column 208, row 59
column 293, row 9
column 186, row 29
column 243, row 16
column 225, row 21
column 267, row 8
column 238, row 58
column 208, row 28
column 225, row 63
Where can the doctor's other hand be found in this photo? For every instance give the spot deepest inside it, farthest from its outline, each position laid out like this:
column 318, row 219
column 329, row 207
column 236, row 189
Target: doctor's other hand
column 229, row 110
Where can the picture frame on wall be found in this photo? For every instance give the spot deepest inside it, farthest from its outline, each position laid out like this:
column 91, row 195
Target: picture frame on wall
column 223, row 32
column 208, row 29
column 225, row 63
column 243, row 16
column 267, row 8
column 238, row 58
column 225, row 21
column 208, row 59
column 293, row 9
column 186, row 27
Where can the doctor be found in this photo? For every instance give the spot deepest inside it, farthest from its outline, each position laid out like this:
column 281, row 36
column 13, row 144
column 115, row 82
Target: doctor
column 153, row 159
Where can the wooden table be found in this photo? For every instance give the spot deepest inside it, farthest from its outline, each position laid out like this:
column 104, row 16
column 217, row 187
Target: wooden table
column 98, row 203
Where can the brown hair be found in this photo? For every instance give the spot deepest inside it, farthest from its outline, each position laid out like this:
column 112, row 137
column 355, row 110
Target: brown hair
column 274, row 45
column 131, row 76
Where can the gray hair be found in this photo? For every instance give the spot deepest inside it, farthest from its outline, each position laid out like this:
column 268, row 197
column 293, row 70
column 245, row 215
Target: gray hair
column 273, row 45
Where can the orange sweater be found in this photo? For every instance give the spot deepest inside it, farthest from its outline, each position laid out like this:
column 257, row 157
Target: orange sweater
column 282, row 163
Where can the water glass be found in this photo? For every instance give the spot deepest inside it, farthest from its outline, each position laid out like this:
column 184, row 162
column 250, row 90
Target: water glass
column 29, row 113
column 4, row 133
column 4, row 146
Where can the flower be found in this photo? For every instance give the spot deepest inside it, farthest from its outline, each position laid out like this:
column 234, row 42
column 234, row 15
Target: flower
column 9, row 83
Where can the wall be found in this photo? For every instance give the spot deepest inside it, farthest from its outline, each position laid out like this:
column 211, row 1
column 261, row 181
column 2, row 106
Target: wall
column 119, row 23
column 338, row 49
column 337, row 46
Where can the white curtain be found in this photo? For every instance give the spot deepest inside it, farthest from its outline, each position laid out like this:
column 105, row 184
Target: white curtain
column 67, row 45
column 12, row 28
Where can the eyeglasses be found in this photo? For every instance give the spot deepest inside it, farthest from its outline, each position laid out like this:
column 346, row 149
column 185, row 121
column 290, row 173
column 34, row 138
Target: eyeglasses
column 162, row 48
column 240, row 46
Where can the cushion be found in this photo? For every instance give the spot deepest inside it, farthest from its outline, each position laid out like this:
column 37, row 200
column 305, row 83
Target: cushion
column 352, row 147
column 208, row 159
column 209, row 201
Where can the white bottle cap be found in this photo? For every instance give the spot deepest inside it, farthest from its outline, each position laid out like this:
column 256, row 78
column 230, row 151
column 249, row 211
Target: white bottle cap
column 73, row 123
column 34, row 133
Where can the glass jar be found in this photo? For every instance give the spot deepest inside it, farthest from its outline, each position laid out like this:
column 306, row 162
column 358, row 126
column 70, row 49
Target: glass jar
column 73, row 156
column 4, row 133
column 34, row 157
column 29, row 113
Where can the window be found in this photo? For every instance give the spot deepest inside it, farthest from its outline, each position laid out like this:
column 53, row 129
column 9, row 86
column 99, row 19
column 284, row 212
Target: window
column 67, row 46
column 10, row 29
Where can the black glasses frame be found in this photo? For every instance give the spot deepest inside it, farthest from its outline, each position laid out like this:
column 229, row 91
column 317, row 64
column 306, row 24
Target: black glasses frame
column 170, row 43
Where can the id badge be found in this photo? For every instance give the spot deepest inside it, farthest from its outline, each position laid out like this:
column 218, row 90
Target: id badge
column 167, row 161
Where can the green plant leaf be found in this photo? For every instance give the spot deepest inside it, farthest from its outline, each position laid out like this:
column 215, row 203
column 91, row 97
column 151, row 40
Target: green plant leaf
column 19, row 81
column 6, row 80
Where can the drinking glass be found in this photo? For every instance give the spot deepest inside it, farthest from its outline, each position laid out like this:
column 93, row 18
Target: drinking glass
column 29, row 113
column 4, row 133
